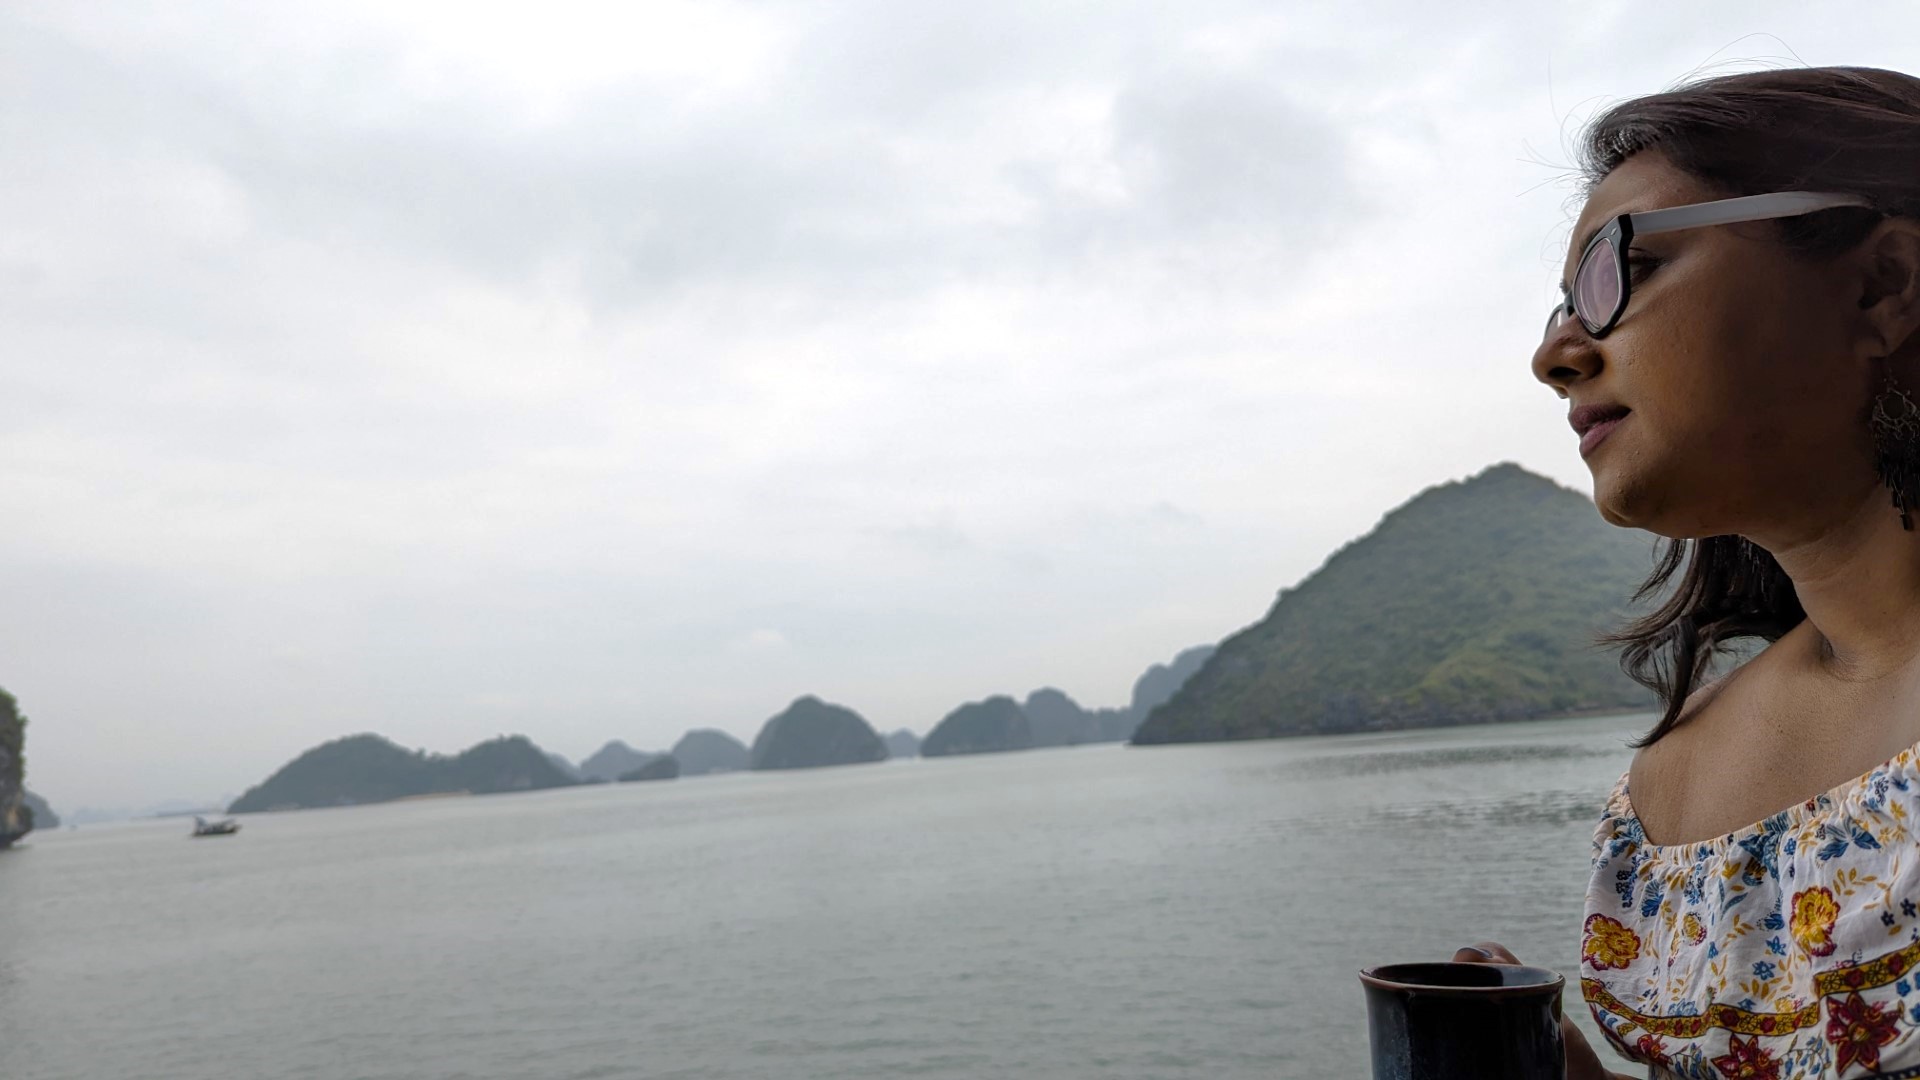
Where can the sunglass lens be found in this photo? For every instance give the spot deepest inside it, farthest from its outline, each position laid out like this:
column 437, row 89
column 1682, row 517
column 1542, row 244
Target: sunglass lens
column 1596, row 286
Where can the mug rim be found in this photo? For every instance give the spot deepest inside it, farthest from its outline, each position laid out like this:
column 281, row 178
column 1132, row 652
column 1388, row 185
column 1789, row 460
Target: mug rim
column 1552, row 980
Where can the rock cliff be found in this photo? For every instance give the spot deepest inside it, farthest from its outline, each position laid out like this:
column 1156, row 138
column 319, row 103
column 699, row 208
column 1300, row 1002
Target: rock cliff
column 16, row 818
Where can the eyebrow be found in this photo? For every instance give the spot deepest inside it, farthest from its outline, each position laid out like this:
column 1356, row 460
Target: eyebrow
column 1587, row 238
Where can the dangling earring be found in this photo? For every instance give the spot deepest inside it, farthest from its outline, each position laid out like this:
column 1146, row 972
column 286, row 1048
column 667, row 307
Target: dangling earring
column 1896, row 445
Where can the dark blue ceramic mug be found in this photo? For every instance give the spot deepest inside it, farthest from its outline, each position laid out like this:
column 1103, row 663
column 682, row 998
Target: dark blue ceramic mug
column 1465, row 1022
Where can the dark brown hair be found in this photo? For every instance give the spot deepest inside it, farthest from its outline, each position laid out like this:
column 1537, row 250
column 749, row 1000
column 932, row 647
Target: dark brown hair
column 1842, row 129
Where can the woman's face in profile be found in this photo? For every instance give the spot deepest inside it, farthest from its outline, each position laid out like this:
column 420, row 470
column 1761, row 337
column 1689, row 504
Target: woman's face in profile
column 1744, row 403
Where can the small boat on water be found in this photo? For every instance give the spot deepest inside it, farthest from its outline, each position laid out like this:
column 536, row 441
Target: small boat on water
column 223, row 827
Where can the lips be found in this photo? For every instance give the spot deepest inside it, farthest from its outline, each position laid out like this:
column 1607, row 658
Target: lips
column 1594, row 423
column 1587, row 417
column 1597, row 434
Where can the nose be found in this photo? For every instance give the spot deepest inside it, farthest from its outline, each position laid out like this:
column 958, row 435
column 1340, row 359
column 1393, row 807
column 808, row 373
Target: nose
column 1567, row 356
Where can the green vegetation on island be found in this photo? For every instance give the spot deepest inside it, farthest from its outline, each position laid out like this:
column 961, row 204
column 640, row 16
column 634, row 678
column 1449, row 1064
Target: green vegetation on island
column 704, row 750
column 1475, row 601
column 980, row 727
column 811, row 733
column 16, row 817
column 369, row 769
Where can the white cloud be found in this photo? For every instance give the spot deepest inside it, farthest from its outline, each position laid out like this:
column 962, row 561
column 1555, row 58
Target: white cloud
column 762, row 640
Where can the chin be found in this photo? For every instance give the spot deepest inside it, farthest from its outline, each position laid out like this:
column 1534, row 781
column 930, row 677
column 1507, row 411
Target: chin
column 1612, row 515
column 1634, row 500
column 1624, row 501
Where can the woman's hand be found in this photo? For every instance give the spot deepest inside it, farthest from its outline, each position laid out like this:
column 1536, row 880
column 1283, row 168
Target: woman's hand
column 1582, row 1062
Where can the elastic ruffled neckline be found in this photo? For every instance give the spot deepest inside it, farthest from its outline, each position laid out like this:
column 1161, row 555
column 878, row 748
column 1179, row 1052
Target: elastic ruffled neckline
column 1845, row 794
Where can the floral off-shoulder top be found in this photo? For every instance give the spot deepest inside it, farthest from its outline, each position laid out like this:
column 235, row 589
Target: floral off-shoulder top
column 1782, row 951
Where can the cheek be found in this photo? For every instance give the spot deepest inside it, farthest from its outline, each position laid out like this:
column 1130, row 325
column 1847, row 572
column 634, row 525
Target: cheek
column 1743, row 360
column 1743, row 393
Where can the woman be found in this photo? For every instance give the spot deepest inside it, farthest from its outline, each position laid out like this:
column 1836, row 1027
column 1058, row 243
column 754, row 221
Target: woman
column 1739, row 374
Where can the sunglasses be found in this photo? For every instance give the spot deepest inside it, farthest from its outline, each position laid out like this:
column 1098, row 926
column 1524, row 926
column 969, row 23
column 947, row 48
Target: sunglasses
column 1601, row 284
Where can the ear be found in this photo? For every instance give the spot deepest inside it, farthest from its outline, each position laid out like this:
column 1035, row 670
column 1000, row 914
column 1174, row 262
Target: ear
column 1888, row 267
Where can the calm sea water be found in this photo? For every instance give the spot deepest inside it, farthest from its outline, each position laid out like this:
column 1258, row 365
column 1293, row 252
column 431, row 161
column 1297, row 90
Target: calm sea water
column 1092, row 912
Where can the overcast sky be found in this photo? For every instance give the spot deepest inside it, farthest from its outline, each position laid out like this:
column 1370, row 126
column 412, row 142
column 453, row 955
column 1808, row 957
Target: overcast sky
column 596, row 372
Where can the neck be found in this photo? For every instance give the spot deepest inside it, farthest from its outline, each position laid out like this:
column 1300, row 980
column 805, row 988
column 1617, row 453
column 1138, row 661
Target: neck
column 1858, row 579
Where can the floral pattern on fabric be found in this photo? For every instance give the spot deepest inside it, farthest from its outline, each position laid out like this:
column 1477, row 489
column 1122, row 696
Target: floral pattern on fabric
column 1813, row 914
column 1746, row 1059
column 1608, row 944
column 1786, row 950
column 1858, row 1029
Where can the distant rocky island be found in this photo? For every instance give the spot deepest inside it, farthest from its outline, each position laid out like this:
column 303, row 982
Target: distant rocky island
column 370, row 769
column 613, row 761
column 903, row 744
column 43, row 815
column 1049, row 717
column 1475, row 601
column 16, row 817
column 995, row 725
column 811, row 733
column 1161, row 681
column 1057, row 720
column 704, row 750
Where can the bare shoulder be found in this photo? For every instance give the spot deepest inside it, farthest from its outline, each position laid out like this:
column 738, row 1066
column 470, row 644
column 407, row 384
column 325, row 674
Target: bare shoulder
column 1648, row 773
column 1695, row 717
column 1719, row 767
column 1658, row 768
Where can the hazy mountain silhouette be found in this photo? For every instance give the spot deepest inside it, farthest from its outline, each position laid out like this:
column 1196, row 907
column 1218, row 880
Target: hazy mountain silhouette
column 43, row 815
column 613, row 761
column 980, row 727
column 704, row 750
column 1475, row 601
column 1058, row 720
column 368, row 768
column 1161, row 681
column 903, row 744
column 811, row 733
